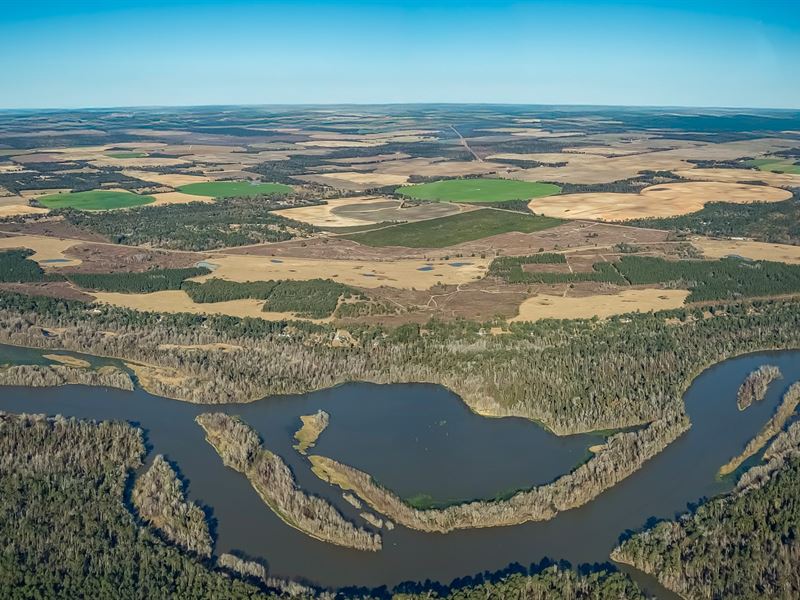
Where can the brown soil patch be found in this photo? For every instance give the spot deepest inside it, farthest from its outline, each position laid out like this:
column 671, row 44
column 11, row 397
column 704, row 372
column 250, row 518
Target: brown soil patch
column 53, row 227
column 604, row 305
column 350, row 212
column 662, row 200
column 103, row 258
column 50, row 289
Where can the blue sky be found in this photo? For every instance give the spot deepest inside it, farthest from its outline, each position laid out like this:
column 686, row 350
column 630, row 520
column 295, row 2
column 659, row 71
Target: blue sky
column 136, row 53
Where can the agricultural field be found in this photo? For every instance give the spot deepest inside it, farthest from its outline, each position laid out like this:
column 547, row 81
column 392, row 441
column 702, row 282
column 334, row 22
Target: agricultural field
column 456, row 229
column 94, row 200
column 229, row 189
column 776, row 165
column 478, row 190
column 409, row 206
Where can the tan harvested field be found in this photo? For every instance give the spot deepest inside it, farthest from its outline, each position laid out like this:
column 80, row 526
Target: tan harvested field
column 365, row 181
column 44, row 192
column 601, row 305
column 176, row 301
column 534, row 132
column 367, row 274
column 365, row 210
column 44, row 249
column 14, row 209
column 590, row 168
column 662, row 200
column 178, row 198
column 736, row 175
column 170, row 179
column 436, row 167
column 753, row 250
column 354, row 160
column 342, row 143
column 147, row 161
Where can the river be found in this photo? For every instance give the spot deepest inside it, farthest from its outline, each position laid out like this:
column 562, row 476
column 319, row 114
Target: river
column 421, row 440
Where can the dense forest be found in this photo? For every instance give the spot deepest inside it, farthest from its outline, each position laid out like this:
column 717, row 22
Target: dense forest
column 145, row 282
column 707, row 280
column 571, row 376
column 775, row 222
column 316, row 298
column 194, row 226
column 15, row 266
column 53, row 375
column 740, row 546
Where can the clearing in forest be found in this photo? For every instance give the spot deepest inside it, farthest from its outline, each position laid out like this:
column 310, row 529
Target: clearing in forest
column 478, row 190
column 228, row 189
column 455, row 229
column 94, row 200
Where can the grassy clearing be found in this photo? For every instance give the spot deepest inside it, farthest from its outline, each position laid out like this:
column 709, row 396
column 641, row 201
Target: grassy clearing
column 229, row 189
column 94, row 200
column 478, row 190
column 775, row 165
column 455, row 229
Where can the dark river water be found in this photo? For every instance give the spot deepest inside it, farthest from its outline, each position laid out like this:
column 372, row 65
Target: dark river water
column 422, row 440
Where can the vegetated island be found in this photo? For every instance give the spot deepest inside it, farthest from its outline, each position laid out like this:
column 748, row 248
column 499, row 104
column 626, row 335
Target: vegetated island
column 612, row 462
column 785, row 410
column 159, row 498
column 754, row 388
column 55, row 375
column 741, row 545
column 313, row 426
column 240, row 448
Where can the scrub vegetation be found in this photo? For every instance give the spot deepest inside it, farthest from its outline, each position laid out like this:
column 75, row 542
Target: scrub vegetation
column 160, row 500
column 754, row 388
column 240, row 449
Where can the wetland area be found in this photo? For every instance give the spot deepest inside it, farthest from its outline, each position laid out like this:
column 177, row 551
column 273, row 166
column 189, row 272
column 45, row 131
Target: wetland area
column 422, row 442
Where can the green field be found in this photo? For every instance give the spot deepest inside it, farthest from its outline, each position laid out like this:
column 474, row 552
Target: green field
column 455, row 229
column 94, row 200
column 229, row 189
column 126, row 154
column 775, row 165
column 478, row 190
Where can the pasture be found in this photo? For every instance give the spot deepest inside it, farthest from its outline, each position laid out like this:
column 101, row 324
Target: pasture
column 94, row 200
column 776, row 165
column 478, row 190
column 229, row 189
